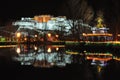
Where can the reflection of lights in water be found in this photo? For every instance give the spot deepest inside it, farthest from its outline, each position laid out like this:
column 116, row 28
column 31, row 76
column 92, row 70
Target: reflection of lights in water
column 99, row 68
column 49, row 50
column 35, row 48
column 18, row 50
column 49, row 35
column 57, row 48
column 98, row 62
column 41, row 60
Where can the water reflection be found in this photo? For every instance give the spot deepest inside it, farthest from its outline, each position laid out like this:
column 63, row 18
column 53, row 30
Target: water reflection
column 61, row 60
column 58, row 55
column 42, row 56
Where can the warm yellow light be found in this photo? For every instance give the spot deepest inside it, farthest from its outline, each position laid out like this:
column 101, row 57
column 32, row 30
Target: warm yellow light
column 35, row 35
column 49, row 35
column 100, row 20
column 106, row 34
column 70, row 52
column 56, row 35
column 42, row 18
column 35, row 48
column 25, row 39
column 99, row 68
column 57, row 48
column 118, row 35
column 18, row 34
column 18, row 50
column 84, row 34
column 49, row 50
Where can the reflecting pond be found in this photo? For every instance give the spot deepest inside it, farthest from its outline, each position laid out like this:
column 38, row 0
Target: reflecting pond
column 57, row 55
column 72, row 62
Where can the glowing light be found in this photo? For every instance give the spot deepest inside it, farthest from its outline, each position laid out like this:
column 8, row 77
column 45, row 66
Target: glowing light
column 18, row 34
column 99, row 56
column 99, row 20
column 42, row 18
column 49, row 35
column 85, row 51
column 99, row 68
column 49, row 50
column 71, row 52
column 56, row 35
column 18, row 50
column 84, row 34
column 101, row 59
column 35, row 35
column 118, row 35
column 25, row 39
column 106, row 34
column 35, row 48
column 57, row 48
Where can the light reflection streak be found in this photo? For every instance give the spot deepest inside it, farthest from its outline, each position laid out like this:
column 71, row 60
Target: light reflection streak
column 4, row 46
column 41, row 58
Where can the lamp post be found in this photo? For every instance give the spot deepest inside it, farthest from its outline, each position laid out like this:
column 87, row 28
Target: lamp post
column 18, row 35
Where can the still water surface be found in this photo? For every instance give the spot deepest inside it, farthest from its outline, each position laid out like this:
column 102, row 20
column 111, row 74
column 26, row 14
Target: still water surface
column 54, row 62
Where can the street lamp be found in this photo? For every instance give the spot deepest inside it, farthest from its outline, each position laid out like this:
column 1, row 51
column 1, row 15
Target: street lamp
column 49, row 34
column 35, row 35
column 18, row 35
column 56, row 36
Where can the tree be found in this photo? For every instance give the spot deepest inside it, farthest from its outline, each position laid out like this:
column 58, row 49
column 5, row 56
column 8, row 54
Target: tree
column 112, row 11
column 77, row 9
column 77, row 28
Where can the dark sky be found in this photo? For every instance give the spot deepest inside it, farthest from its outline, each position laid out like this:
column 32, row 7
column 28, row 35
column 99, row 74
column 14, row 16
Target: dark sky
column 27, row 8
column 10, row 9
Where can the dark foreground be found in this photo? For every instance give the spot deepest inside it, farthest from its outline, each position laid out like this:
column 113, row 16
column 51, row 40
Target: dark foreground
column 70, row 72
column 84, row 71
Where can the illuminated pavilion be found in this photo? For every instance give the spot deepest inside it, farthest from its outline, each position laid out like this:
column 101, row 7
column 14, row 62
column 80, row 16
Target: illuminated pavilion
column 99, row 32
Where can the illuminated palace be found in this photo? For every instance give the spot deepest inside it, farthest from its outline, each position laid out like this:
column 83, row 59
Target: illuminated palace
column 99, row 32
column 40, row 25
column 55, row 28
column 58, row 27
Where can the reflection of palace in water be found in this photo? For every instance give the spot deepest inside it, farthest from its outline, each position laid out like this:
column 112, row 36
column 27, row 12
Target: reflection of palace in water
column 44, row 56
column 52, row 55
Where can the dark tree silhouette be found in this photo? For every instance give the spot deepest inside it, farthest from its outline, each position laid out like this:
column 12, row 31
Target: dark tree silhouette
column 77, row 9
column 113, row 17
column 111, row 71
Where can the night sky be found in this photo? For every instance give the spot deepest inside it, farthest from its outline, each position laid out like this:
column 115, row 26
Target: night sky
column 22, row 8
column 28, row 8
